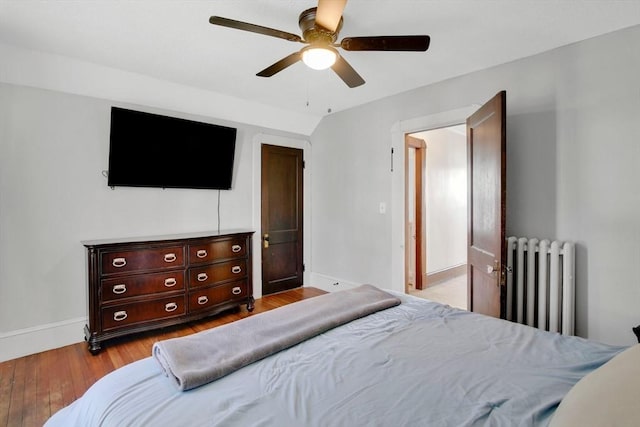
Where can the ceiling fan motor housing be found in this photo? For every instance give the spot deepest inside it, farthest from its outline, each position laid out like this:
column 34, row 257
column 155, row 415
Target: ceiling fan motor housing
column 313, row 33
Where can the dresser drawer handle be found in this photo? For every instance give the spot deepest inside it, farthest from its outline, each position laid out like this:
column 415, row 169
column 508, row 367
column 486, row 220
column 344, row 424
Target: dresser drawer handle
column 236, row 269
column 119, row 316
column 203, row 300
column 170, row 282
column 119, row 262
column 170, row 257
column 171, row 306
column 119, row 289
column 202, row 277
column 202, row 253
column 236, row 248
column 237, row 290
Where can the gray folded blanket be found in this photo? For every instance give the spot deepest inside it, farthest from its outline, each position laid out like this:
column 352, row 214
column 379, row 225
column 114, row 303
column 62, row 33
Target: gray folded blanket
column 198, row 359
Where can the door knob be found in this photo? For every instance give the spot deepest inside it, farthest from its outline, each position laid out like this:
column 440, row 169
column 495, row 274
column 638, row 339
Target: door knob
column 493, row 268
column 265, row 240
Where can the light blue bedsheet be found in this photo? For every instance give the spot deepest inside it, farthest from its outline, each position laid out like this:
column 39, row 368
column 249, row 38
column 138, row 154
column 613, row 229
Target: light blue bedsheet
column 417, row 364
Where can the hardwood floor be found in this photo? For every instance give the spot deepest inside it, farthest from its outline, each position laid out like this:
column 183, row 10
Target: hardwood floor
column 33, row 388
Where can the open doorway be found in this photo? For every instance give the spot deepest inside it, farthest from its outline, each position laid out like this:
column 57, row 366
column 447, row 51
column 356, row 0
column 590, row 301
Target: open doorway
column 436, row 215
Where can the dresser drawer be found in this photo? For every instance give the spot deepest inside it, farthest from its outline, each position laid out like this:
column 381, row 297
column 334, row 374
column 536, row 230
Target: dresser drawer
column 142, row 260
column 135, row 285
column 215, row 250
column 129, row 314
column 216, row 273
column 201, row 299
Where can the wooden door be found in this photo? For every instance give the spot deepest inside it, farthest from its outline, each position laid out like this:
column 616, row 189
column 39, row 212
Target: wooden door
column 282, row 203
column 415, row 242
column 486, row 165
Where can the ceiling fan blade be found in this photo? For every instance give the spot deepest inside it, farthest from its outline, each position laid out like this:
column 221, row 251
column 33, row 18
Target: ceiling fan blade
column 329, row 13
column 280, row 65
column 253, row 28
column 387, row 43
column 347, row 73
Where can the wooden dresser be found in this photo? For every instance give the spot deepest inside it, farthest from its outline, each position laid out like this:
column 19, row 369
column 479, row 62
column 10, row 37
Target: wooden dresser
column 144, row 283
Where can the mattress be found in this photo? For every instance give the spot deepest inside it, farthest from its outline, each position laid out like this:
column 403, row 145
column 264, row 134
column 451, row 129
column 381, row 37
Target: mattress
column 418, row 363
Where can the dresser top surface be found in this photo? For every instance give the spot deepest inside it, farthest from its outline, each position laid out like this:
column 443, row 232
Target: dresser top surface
column 163, row 237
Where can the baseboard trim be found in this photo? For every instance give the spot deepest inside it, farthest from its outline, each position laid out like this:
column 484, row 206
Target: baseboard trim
column 446, row 274
column 24, row 342
column 330, row 283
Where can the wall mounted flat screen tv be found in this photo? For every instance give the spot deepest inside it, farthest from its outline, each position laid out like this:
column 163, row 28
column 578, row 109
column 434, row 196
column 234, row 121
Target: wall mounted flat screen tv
column 150, row 150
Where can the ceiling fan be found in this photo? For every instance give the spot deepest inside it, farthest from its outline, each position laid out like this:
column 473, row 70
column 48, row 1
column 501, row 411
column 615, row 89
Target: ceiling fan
column 320, row 28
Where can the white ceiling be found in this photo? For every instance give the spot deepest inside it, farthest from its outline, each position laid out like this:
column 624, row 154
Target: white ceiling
column 172, row 40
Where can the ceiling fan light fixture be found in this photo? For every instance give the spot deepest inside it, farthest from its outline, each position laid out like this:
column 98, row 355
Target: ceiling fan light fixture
column 319, row 58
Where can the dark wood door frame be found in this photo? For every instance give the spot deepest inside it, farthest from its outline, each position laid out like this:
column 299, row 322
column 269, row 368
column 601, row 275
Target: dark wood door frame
column 420, row 272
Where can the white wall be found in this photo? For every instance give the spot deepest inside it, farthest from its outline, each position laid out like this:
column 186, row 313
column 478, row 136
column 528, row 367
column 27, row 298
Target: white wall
column 53, row 149
column 24, row 67
column 445, row 198
column 572, row 173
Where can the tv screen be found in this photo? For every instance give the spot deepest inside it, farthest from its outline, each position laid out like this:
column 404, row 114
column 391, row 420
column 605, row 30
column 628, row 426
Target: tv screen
column 150, row 150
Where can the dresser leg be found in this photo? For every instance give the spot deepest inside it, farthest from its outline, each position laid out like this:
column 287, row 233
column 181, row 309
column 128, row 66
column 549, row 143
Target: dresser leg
column 251, row 304
column 94, row 347
column 92, row 341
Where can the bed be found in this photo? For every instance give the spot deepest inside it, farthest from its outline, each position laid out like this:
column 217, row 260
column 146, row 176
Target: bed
column 415, row 363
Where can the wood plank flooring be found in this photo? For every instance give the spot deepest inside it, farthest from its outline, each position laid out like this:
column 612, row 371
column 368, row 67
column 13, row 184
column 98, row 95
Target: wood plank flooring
column 34, row 387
